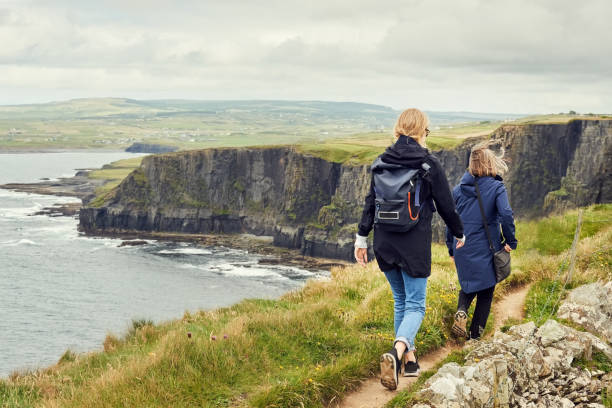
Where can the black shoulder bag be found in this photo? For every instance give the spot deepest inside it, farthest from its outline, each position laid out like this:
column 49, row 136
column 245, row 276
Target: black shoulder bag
column 501, row 258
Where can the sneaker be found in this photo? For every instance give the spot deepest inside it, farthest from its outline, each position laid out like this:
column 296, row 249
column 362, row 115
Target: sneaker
column 389, row 369
column 411, row 368
column 458, row 328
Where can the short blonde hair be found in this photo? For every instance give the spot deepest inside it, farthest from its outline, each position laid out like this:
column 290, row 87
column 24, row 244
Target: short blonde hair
column 412, row 122
column 483, row 162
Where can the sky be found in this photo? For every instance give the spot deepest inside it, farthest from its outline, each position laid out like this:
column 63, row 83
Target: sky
column 520, row 56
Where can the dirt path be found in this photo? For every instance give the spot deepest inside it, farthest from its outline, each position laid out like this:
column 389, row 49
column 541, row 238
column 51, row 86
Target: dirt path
column 512, row 306
column 371, row 394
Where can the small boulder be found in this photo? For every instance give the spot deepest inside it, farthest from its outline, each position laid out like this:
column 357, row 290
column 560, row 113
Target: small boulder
column 550, row 333
column 591, row 307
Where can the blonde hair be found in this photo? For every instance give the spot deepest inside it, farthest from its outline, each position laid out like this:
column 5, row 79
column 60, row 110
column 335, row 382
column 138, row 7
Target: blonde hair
column 412, row 122
column 483, row 162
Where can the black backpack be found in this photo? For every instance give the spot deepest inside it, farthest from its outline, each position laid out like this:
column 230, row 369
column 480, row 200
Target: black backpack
column 398, row 190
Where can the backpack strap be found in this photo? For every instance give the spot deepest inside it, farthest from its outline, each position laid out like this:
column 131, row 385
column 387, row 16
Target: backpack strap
column 417, row 195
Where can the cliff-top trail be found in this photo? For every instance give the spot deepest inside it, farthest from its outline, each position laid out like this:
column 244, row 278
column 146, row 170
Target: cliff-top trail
column 371, row 394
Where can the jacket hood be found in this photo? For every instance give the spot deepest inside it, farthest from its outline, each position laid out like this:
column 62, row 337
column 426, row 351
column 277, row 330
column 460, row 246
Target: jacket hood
column 467, row 183
column 405, row 152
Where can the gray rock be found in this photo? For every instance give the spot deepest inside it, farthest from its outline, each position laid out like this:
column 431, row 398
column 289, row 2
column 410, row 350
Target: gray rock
column 526, row 367
column 523, row 330
column 550, row 332
column 591, row 307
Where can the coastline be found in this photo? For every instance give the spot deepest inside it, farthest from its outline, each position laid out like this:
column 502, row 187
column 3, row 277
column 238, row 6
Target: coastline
column 260, row 245
column 82, row 187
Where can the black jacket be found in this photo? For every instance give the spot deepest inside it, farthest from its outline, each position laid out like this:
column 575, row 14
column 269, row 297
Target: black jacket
column 411, row 251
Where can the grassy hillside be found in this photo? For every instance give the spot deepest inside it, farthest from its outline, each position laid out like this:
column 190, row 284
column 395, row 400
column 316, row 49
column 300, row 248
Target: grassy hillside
column 363, row 148
column 308, row 347
column 115, row 123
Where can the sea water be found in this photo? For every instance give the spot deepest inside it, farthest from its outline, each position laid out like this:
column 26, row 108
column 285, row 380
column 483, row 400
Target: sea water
column 61, row 290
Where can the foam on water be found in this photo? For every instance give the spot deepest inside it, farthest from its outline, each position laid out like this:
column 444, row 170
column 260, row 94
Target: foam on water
column 185, row 251
column 18, row 242
column 245, row 270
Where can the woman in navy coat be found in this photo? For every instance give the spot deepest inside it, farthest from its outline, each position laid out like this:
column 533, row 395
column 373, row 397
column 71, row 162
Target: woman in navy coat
column 474, row 261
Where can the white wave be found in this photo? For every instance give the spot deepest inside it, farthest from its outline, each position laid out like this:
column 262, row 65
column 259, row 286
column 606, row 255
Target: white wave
column 186, row 251
column 18, row 242
column 19, row 212
column 245, row 269
column 228, row 269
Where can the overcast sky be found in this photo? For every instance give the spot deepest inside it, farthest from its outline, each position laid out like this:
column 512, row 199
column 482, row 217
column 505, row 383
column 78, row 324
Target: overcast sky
column 519, row 56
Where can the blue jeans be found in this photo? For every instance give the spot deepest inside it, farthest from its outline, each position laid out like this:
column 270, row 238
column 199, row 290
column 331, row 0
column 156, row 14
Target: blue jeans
column 409, row 298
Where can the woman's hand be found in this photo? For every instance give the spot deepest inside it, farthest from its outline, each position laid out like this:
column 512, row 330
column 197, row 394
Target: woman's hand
column 460, row 242
column 453, row 258
column 361, row 255
column 507, row 248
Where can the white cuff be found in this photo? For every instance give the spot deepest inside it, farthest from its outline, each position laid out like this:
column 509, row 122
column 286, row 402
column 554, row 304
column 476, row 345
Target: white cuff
column 361, row 241
column 462, row 239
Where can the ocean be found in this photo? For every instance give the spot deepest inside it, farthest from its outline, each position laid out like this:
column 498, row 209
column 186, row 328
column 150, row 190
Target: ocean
column 61, row 290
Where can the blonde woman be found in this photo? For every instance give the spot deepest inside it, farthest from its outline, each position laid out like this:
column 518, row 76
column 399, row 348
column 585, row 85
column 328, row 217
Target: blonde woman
column 406, row 182
column 474, row 261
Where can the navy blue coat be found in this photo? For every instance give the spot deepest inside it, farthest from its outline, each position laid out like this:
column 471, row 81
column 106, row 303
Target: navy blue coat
column 474, row 260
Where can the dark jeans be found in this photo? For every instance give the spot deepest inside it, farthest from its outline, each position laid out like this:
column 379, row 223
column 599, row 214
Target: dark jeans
column 481, row 312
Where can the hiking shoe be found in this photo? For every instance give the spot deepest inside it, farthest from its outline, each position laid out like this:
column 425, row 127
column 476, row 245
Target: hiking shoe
column 389, row 369
column 458, row 328
column 411, row 368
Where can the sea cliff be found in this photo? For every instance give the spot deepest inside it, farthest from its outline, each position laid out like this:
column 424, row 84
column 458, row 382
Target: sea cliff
column 311, row 204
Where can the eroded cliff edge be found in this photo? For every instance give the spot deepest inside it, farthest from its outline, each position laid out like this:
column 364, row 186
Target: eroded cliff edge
column 312, row 204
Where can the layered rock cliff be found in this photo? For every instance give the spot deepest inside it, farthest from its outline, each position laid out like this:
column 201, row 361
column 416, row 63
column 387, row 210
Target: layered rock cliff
column 312, row 204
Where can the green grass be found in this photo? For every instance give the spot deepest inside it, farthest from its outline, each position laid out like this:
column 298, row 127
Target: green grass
column 364, row 148
column 113, row 173
column 554, row 234
column 599, row 361
column 342, row 152
column 606, row 398
column 304, row 349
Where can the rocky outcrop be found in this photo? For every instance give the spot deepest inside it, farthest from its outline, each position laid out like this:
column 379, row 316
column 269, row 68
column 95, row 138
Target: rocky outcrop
column 302, row 201
column 558, row 166
column 150, row 148
column 590, row 306
column 527, row 367
column 312, row 204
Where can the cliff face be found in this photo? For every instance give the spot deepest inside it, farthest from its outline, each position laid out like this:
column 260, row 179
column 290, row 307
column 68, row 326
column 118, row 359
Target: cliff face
column 300, row 200
column 312, row 204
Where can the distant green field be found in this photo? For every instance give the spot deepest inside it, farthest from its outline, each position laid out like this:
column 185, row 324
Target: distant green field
column 117, row 123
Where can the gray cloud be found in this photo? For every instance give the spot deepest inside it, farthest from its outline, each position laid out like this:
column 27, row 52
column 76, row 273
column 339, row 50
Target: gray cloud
column 520, row 56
